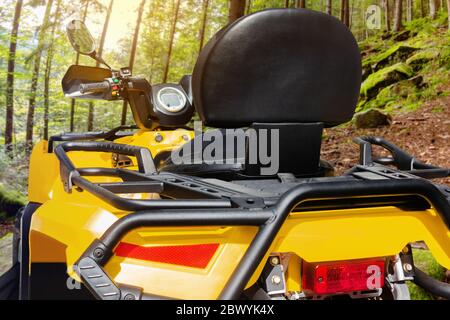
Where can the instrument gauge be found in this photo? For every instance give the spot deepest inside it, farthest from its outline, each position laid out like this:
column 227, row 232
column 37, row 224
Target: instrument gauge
column 171, row 99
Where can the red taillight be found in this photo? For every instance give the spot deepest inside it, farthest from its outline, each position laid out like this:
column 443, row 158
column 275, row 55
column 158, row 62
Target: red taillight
column 196, row 256
column 341, row 277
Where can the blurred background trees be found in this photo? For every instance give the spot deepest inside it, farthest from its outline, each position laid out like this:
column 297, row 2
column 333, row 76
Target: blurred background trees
column 161, row 42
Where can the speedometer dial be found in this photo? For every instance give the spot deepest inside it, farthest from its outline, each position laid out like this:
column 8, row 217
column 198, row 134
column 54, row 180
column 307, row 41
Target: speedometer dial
column 171, row 99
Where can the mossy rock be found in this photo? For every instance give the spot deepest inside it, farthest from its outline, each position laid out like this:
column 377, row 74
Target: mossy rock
column 383, row 78
column 404, row 35
column 401, row 89
column 395, row 54
column 418, row 60
column 10, row 202
column 405, row 91
column 372, row 118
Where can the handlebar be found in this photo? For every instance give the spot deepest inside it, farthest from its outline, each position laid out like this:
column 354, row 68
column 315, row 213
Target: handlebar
column 95, row 87
column 400, row 158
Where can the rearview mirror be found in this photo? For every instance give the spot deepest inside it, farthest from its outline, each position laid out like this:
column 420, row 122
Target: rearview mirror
column 80, row 37
column 82, row 40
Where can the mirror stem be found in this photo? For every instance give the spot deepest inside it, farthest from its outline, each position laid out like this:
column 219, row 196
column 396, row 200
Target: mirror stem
column 98, row 58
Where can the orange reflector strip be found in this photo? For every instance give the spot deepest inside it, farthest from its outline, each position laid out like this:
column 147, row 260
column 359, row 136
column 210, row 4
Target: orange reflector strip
column 195, row 256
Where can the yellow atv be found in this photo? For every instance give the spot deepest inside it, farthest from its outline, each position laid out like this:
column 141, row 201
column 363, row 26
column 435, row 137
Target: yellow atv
column 246, row 211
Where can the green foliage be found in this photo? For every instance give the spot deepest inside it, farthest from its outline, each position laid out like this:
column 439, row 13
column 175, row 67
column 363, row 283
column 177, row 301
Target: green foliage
column 402, row 75
column 424, row 260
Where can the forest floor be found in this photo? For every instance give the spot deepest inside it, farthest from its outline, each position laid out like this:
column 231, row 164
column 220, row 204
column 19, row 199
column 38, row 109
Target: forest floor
column 424, row 133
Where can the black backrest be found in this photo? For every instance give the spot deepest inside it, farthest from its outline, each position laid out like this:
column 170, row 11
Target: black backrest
column 276, row 66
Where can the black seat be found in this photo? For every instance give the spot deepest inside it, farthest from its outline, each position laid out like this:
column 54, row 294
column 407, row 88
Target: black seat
column 292, row 69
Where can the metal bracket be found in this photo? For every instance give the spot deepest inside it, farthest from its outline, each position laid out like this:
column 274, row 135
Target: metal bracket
column 272, row 277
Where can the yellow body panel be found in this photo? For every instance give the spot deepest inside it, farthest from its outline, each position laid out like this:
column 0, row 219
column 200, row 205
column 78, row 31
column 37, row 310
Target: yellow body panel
column 315, row 237
column 44, row 166
column 64, row 226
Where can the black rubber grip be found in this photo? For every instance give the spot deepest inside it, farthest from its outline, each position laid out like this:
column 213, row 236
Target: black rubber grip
column 95, row 87
column 143, row 156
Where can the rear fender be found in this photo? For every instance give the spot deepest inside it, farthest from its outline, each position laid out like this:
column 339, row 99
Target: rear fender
column 314, row 236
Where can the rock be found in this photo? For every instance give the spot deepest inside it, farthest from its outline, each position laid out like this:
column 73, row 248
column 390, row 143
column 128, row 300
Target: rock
column 383, row 78
column 418, row 60
column 386, row 35
column 392, row 94
column 371, row 118
column 395, row 54
column 402, row 88
column 404, row 35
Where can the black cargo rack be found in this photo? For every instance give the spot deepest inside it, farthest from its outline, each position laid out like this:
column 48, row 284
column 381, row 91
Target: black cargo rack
column 191, row 201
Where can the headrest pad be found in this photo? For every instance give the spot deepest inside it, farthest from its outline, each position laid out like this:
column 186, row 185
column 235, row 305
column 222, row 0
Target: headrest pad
column 278, row 65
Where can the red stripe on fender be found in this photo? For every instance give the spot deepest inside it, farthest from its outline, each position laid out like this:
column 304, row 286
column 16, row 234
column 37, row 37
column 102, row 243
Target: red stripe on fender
column 196, row 256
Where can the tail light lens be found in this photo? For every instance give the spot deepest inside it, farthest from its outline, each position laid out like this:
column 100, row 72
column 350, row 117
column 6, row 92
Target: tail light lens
column 343, row 276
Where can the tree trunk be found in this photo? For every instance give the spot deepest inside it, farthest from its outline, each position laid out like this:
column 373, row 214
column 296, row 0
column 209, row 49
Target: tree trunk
column 249, row 7
column 10, row 79
column 286, row 3
column 345, row 12
column 100, row 52
column 433, row 9
column 422, row 8
column 398, row 25
column 350, row 14
column 448, row 10
column 300, row 4
column 204, row 23
column 123, row 120
column 48, row 67
column 329, row 7
column 34, row 79
column 236, row 10
column 77, row 61
column 387, row 16
column 172, row 35
column 409, row 10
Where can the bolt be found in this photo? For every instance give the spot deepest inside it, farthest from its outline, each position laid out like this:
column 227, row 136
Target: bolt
column 158, row 138
column 407, row 267
column 405, row 250
column 320, row 279
column 129, row 297
column 276, row 279
column 275, row 260
column 98, row 253
column 185, row 137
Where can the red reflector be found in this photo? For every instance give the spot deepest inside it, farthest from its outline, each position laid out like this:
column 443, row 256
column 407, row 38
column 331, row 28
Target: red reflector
column 340, row 277
column 196, row 256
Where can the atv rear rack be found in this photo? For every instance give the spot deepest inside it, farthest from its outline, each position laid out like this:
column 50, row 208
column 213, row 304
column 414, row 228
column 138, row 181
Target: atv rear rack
column 202, row 202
